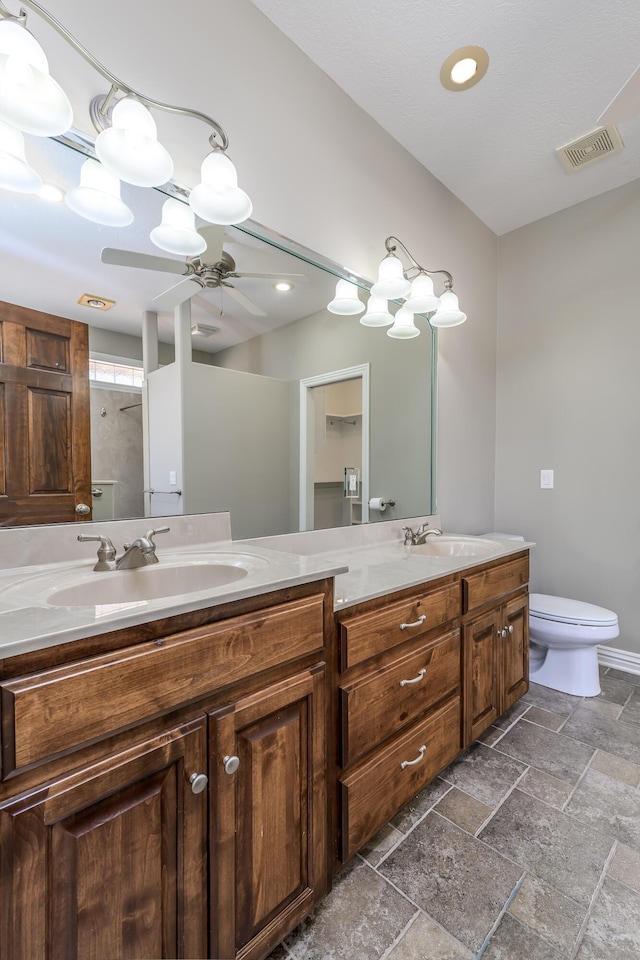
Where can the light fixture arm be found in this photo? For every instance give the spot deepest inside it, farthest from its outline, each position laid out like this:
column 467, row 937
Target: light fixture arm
column 99, row 106
column 392, row 243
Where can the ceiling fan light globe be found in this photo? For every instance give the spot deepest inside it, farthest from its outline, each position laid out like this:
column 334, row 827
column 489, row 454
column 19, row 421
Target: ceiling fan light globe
column 15, row 172
column 97, row 198
column 221, row 207
column 129, row 148
column 177, row 231
column 30, row 99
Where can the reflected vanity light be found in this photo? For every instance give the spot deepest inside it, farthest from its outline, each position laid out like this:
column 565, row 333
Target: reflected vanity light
column 126, row 147
column 413, row 285
column 283, row 286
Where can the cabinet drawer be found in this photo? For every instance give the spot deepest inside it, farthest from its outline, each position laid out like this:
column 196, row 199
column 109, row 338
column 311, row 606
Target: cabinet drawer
column 381, row 786
column 57, row 709
column 384, row 701
column 493, row 583
column 368, row 634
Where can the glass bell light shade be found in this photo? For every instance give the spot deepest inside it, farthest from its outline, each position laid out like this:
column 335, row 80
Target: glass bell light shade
column 30, row 99
column 15, row 172
column 377, row 313
column 177, row 232
column 218, row 198
column 129, row 148
column 422, row 299
column 403, row 326
column 391, row 282
column 346, row 301
column 98, row 197
column 448, row 313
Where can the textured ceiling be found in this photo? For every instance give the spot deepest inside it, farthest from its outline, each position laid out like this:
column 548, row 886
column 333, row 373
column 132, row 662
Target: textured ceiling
column 554, row 67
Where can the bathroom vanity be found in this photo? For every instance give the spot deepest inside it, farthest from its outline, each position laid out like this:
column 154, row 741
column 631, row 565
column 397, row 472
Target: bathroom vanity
column 180, row 781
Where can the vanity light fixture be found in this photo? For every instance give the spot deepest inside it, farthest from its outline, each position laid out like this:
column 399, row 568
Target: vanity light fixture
column 127, row 147
column 413, row 285
column 51, row 193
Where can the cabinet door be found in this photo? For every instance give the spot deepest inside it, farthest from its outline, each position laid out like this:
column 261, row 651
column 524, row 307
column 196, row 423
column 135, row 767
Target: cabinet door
column 269, row 831
column 515, row 651
column 108, row 863
column 482, row 695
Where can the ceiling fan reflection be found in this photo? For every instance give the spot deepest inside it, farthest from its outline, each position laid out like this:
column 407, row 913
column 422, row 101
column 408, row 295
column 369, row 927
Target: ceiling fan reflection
column 213, row 269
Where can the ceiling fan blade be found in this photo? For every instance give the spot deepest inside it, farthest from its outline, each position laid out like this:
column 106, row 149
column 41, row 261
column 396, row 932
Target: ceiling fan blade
column 626, row 103
column 273, row 276
column 214, row 236
column 244, row 301
column 128, row 258
column 177, row 294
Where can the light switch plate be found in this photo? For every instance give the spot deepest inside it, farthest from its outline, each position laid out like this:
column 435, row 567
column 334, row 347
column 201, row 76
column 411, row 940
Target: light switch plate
column 546, row 479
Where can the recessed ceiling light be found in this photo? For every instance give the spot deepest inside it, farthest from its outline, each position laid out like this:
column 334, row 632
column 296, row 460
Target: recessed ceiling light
column 98, row 303
column 464, row 68
column 283, row 286
column 50, row 193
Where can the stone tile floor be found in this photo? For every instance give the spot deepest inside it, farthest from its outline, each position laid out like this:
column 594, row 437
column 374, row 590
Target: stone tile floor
column 527, row 846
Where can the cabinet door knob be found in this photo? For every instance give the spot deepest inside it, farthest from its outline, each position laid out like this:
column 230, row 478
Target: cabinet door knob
column 412, row 763
column 421, row 673
column 198, row 782
column 230, row 764
column 416, row 623
column 510, row 628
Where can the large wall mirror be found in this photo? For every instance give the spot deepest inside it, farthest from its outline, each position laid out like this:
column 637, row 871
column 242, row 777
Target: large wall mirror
column 290, row 417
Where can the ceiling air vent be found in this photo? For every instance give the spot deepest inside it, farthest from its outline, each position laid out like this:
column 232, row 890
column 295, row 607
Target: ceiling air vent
column 594, row 146
column 204, row 330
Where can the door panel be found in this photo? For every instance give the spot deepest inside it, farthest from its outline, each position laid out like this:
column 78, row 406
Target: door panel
column 515, row 651
column 45, row 454
column 269, row 829
column 481, row 675
column 109, row 863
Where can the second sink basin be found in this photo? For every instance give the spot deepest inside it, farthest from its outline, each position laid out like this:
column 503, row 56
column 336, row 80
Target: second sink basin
column 456, row 546
column 145, row 583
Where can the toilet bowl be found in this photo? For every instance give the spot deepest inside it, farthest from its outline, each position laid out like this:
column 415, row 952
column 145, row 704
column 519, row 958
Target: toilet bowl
column 564, row 636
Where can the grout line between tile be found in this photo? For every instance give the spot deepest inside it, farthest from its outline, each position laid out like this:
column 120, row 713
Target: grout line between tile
column 412, row 828
column 578, row 782
column 401, row 935
column 506, row 906
column 585, row 922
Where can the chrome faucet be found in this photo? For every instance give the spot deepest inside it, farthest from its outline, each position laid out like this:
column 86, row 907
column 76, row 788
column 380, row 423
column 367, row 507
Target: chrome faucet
column 416, row 537
column 106, row 552
column 140, row 552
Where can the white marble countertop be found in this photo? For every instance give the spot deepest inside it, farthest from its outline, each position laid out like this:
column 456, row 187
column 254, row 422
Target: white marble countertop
column 28, row 621
column 366, row 561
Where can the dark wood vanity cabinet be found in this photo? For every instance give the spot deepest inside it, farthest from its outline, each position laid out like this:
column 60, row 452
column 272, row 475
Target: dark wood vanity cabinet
column 167, row 795
column 495, row 643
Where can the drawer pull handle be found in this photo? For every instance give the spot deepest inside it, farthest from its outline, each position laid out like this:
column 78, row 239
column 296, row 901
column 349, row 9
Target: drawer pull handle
column 421, row 673
column 412, row 763
column 198, row 782
column 230, row 764
column 416, row 623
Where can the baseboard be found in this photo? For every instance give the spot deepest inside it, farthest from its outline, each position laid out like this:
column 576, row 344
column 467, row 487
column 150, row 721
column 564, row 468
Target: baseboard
column 619, row 659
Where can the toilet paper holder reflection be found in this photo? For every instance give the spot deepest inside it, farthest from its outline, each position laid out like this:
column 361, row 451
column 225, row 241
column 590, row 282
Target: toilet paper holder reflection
column 381, row 503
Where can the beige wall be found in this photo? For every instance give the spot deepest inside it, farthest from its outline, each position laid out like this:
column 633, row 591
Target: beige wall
column 116, row 447
column 569, row 399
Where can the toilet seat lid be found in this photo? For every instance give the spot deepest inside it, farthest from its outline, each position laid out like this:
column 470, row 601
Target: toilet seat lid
column 570, row 611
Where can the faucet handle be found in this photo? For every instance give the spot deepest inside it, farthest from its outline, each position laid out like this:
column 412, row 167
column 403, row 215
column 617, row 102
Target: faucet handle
column 150, row 534
column 106, row 551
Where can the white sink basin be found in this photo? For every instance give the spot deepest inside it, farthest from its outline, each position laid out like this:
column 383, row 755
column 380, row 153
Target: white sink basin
column 145, row 583
column 456, row 546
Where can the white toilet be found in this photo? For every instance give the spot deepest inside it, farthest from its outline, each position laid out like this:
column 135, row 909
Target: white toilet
column 564, row 637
